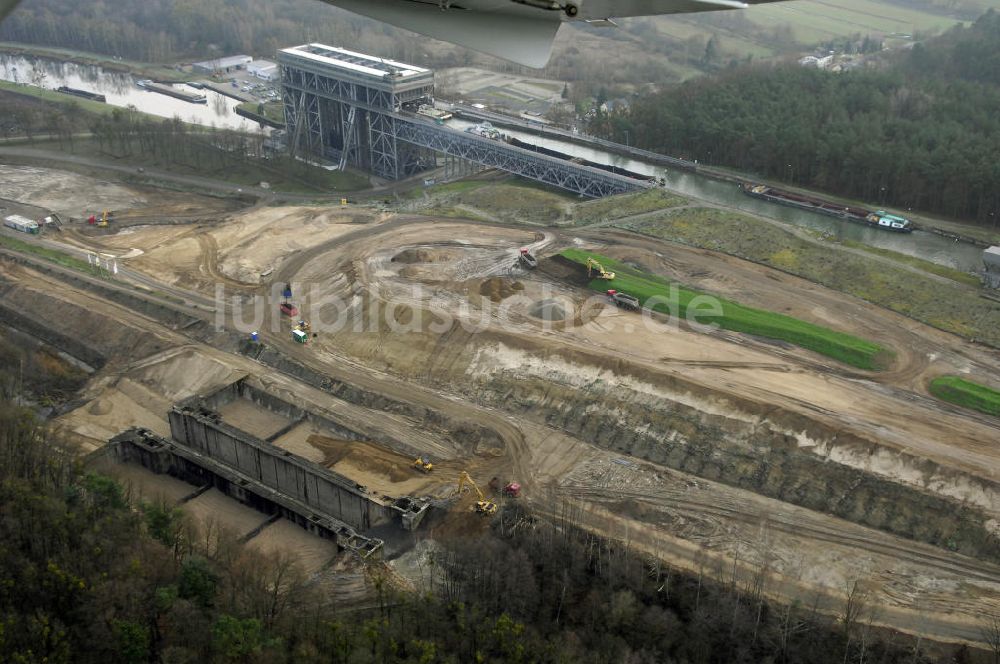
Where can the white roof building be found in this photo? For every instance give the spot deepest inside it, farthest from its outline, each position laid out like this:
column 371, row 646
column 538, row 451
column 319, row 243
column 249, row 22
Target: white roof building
column 264, row 69
column 227, row 63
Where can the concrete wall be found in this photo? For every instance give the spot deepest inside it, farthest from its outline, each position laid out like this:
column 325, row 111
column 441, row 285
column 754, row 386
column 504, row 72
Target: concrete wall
column 243, row 389
column 203, row 431
column 164, row 456
column 991, row 263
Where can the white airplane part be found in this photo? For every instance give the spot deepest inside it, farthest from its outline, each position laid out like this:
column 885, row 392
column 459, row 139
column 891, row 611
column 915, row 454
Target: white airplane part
column 523, row 35
column 517, row 30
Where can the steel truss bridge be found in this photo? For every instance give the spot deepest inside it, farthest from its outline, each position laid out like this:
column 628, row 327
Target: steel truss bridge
column 360, row 110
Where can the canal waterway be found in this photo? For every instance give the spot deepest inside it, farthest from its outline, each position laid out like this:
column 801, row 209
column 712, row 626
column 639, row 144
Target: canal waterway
column 121, row 89
column 928, row 246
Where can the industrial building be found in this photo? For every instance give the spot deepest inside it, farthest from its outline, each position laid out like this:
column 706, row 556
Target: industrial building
column 991, row 267
column 226, row 64
column 365, row 111
column 263, row 69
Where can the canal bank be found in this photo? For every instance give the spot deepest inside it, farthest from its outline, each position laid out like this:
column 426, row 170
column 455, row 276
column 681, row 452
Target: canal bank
column 719, row 187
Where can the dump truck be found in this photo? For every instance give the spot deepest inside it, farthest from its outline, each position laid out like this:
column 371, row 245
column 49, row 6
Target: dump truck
column 509, row 489
column 624, row 300
column 527, row 260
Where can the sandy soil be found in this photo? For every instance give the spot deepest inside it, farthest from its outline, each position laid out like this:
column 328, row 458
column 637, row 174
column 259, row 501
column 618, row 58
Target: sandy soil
column 78, row 196
column 890, row 408
column 214, row 508
column 443, row 266
column 147, row 485
column 253, row 419
column 238, row 250
column 64, row 192
column 314, row 553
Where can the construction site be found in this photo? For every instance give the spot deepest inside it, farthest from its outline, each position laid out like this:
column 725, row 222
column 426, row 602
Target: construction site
column 346, row 382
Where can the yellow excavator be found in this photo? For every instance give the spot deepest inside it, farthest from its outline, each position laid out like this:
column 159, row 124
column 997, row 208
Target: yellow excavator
column 484, row 505
column 423, row 464
column 596, row 269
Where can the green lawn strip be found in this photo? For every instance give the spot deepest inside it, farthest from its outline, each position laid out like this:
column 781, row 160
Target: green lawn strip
column 51, row 255
column 739, row 318
column 967, row 394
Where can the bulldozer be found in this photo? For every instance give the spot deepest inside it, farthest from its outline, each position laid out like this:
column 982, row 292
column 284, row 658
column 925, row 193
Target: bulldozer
column 423, row 464
column 596, row 269
column 484, row 505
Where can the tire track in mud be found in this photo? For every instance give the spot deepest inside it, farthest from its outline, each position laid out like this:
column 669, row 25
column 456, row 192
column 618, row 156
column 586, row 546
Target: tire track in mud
column 872, row 541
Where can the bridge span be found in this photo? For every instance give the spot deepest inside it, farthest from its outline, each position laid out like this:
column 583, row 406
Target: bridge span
column 365, row 111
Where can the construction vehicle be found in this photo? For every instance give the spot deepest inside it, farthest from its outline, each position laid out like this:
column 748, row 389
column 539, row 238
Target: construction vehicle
column 596, row 269
column 303, row 325
column 484, row 506
column 510, row 489
column 106, row 218
column 527, row 260
column 423, row 464
column 624, row 300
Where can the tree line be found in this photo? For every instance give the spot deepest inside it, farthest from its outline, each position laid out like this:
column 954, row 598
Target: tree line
column 918, row 131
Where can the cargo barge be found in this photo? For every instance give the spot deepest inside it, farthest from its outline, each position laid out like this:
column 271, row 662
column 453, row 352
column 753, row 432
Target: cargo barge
column 578, row 160
column 876, row 219
column 191, row 97
column 92, row 96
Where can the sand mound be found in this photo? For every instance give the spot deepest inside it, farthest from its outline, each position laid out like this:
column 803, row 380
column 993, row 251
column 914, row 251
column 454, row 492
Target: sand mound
column 423, row 256
column 100, row 407
column 497, row 288
column 550, row 310
column 374, row 465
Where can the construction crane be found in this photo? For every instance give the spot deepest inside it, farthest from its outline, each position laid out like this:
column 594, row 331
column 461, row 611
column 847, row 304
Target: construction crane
column 483, row 505
column 423, row 464
column 595, row 267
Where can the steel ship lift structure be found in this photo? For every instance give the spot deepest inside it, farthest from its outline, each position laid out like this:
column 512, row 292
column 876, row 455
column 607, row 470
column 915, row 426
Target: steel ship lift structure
column 360, row 110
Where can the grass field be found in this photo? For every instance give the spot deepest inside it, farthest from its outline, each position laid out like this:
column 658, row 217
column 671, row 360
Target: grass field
column 626, row 205
column 948, row 305
column 514, row 201
column 813, row 22
column 926, row 266
column 738, row 318
column 57, row 97
column 967, row 394
column 51, row 255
